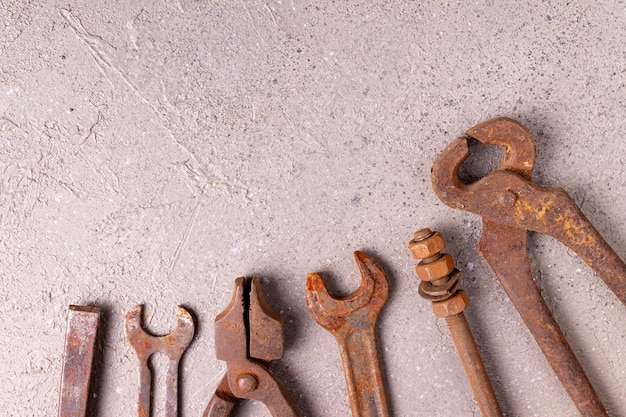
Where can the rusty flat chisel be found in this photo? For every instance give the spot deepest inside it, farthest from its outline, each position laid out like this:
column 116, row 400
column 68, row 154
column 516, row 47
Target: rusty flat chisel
column 80, row 344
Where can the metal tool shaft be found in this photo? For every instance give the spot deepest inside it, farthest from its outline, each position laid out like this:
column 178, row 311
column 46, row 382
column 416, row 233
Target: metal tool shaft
column 527, row 299
column 473, row 365
column 361, row 366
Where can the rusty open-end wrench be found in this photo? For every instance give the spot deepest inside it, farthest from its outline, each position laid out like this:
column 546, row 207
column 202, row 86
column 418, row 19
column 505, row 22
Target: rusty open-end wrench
column 172, row 345
column 352, row 320
column 510, row 205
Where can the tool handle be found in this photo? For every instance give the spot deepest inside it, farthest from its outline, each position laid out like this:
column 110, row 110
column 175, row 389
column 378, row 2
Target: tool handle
column 361, row 366
column 222, row 402
column 473, row 365
column 504, row 249
column 171, row 388
column 218, row 407
column 145, row 387
column 571, row 227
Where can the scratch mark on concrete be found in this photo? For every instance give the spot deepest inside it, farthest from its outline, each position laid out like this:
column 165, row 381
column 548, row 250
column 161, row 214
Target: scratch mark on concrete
column 97, row 48
column 92, row 129
column 6, row 123
column 185, row 238
column 305, row 137
column 252, row 25
column 269, row 10
column 213, row 284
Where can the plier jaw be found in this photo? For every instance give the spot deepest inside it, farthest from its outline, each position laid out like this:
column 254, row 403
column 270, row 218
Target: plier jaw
column 518, row 148
column 248, row 335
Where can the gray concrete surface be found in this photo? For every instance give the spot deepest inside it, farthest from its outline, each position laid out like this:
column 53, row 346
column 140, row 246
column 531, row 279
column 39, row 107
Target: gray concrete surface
column 153, row 151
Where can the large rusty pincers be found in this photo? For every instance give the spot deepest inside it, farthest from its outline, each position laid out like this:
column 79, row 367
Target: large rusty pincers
column 352, row 320
column 248, row 335
column 510, row 204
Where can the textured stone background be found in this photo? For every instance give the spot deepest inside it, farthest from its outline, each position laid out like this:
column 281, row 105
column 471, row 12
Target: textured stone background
column 153, row 151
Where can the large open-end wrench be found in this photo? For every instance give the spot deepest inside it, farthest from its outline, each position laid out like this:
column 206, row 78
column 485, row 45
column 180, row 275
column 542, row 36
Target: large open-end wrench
column 352, row 320
column 172, row 345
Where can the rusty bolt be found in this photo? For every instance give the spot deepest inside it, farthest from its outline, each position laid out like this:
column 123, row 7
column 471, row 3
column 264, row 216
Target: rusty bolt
column 247, row 382
column 434, row 270
column 452, row 306
column 425, row 244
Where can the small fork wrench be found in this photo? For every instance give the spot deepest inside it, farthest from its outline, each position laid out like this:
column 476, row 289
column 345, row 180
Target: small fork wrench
column 173, row 345
column 352, row 320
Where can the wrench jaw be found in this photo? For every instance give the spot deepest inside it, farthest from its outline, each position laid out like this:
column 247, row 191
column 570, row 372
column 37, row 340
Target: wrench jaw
column 332, row 313
column 319, row 302
column 146, row 344
column 373, row 273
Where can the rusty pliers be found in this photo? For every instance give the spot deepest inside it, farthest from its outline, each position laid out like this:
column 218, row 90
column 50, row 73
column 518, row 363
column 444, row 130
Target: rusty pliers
column 510, row 205
column 248, row 335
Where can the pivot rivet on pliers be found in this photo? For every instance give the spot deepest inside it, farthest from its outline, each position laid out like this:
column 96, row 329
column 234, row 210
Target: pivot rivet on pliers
column 247, row 382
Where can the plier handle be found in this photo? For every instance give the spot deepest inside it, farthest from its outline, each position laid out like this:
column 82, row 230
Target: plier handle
column 248, row 335
column 510, row 204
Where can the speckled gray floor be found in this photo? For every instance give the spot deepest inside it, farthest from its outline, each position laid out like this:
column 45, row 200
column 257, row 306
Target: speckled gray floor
column 153, row 151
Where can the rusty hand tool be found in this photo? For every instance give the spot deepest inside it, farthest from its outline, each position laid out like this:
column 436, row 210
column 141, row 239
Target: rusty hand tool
column 510, row 205
column 440, row 284
column 172, row 345
column 248, row 335
column 80, row 344
column 352, row 320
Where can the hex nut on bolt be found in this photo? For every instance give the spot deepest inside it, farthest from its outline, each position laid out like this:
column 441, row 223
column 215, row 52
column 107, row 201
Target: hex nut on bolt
column 436, row 269
column 451, row 306
column 427, row 247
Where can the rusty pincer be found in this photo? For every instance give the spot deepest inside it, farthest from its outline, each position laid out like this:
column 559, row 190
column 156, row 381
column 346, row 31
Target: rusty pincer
column 510, row 205
column 248, row 335
column 352, row 320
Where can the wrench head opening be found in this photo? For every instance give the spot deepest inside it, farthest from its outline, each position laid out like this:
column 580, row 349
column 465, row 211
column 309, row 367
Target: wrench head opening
column 332, row 313
column 172, row 344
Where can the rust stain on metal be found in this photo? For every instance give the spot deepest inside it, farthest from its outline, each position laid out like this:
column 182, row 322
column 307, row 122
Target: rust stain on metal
column 449, row 302
column 172, row 345
column 248, row 335
column 78, row 360
column 352, row 320
column 503, row 242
